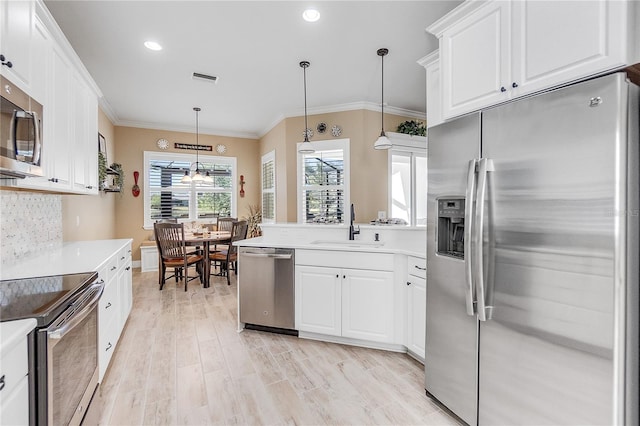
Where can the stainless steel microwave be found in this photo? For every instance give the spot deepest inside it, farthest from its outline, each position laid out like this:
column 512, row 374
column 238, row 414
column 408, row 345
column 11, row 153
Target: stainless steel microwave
column 20, row 133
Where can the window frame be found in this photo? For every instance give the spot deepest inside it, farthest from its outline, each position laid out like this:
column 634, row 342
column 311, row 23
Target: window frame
column 324, row 145
column 411, row 149
column 191, row 158
column 269, row 157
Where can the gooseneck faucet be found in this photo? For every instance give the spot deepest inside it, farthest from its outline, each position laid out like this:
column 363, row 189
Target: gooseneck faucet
column 352, row 230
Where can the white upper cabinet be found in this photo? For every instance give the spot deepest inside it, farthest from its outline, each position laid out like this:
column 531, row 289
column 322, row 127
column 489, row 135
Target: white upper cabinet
column 475, row 60
column 494, row 51
column 16, row 29
column 45, row 66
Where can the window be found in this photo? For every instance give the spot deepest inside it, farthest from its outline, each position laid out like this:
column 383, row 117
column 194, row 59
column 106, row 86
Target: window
column 408, row 184
column 166, row 197
column 269, row 187
column 323, row 183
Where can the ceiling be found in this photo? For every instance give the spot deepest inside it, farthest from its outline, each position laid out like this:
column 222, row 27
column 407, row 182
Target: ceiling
column 254, row 48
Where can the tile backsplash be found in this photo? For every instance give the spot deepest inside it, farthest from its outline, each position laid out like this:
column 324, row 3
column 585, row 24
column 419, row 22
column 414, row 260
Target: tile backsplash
column 30, row 223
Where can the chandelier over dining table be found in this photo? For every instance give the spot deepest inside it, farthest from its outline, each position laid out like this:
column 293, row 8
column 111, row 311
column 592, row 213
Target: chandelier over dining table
column 199, row 176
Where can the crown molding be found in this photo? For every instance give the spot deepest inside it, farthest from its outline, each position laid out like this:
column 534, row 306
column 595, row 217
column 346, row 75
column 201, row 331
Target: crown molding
column 186, row 129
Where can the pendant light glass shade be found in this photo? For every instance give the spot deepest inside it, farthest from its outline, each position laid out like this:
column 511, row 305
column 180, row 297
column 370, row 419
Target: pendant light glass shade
column 305, row 147
column 383, row 141
column 197, row 177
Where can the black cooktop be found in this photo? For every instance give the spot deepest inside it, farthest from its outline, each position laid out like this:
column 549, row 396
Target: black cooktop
column 42, row 298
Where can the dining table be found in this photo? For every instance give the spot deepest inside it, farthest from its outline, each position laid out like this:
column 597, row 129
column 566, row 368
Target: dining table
column 205, row 239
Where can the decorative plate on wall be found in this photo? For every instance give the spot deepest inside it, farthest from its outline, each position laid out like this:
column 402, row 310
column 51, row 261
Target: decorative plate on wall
column 336, row 131
column 321, row 127
column 221, row 149
column 308, row 133
column 163, row 143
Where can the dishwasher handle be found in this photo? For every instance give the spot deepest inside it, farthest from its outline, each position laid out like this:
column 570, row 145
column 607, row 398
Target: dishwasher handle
column 268, row 255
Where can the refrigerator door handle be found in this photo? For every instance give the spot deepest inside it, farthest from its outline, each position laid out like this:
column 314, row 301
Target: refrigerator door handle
column 485, row 165
column 468, row 214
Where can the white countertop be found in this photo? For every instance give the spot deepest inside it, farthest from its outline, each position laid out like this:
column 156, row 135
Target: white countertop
column 340, row 245
column 13, row 332
column 72, row 257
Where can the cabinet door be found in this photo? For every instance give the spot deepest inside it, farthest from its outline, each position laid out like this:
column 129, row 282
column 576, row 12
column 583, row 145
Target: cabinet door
column 416, row 314
column 367, row 305
column 79, row 132
column 318, row 300
column 16, row 26
column 475, row 60
column 434, row 94
column 556, row 41
column 57, row 146
column 126, row 293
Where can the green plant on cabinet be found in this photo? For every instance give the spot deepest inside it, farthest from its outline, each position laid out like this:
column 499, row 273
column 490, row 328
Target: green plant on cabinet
column 412, row 127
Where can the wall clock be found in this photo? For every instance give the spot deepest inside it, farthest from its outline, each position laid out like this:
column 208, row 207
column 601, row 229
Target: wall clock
column 163, row 143
column 221, row 149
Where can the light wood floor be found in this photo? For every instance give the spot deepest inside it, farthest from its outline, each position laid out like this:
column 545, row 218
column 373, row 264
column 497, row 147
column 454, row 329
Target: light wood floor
column 181, row 361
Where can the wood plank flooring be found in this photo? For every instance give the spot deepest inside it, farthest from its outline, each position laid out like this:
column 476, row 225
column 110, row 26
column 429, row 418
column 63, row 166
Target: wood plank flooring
column 180, row 361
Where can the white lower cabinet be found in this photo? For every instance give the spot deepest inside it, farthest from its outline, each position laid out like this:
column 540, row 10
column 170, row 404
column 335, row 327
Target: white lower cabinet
column 367, row 305
column 14, row 372
column 416, row 306
column 346, row 302
column 114, row 306
column 319, row 300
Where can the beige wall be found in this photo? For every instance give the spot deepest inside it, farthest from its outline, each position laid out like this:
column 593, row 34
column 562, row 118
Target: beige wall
column 130, row 146
column 276, row 140
column 91, row 217
column 368, row 166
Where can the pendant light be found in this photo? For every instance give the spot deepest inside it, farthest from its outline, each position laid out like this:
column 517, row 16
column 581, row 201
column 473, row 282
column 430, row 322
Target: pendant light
column 383, row 141
column 305, row 147
column 197, row 177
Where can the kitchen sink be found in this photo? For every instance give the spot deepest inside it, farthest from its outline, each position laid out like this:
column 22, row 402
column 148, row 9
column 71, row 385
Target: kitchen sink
column 348, row 243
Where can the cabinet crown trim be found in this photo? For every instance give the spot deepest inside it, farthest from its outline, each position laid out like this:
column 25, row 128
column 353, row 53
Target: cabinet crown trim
column 469, row 6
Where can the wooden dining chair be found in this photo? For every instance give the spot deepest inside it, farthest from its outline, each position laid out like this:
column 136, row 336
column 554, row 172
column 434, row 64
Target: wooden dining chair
column 173, row 253
column 227, row 259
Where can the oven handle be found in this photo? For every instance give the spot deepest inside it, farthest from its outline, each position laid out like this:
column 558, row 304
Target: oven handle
column 77, row 312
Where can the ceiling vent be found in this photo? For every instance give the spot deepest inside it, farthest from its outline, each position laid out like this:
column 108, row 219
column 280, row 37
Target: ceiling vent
column 205, row 77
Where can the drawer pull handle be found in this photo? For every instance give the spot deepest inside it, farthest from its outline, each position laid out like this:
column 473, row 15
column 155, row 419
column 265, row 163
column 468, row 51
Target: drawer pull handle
column 2, row 382
column 113, row 268
column 122, row 258
column 127, row 268
column 108, row 305
column 109, row 346
column 418, row 267
column 408, row 282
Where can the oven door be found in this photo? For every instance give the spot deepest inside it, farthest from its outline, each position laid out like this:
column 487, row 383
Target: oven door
column 71, row 360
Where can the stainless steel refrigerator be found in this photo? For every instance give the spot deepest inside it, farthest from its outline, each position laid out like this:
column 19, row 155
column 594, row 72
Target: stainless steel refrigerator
column 532, row 259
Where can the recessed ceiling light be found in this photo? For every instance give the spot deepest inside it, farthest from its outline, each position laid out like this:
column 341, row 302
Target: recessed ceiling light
column 152, row 45
column 311, row 15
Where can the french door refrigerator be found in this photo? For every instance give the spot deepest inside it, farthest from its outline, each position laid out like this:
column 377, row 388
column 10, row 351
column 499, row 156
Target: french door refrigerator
column 532, row 259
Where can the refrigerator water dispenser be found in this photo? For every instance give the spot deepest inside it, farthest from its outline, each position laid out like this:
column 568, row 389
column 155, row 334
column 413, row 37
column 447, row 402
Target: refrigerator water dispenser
column 450, row 229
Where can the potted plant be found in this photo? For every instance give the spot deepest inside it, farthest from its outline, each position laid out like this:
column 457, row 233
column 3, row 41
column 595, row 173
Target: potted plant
column 102, row 170
column 412, row 127
column 118, row 176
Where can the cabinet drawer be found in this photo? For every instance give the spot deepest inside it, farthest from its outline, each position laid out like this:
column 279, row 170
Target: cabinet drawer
column 14, row 407
column 345, row 259
column 13, row 368
column 417, row 266
column 108, row 338
column 124, row 255
column 109, row 269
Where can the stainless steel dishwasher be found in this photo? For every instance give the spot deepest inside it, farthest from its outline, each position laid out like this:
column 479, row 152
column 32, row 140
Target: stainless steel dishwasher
column 266, row 289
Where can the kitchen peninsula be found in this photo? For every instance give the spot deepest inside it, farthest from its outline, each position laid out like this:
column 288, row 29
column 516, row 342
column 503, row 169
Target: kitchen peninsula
column 358, row 292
